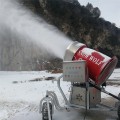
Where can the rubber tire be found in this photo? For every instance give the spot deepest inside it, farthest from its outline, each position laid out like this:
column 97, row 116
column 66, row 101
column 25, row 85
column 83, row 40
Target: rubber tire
column 45, row 111
column 118, row 112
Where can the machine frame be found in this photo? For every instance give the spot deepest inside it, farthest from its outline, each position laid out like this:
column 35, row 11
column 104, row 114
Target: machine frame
column 87, row 92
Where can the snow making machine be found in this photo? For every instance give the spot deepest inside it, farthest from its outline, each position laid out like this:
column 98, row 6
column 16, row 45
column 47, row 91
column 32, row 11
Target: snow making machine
column 87, row 70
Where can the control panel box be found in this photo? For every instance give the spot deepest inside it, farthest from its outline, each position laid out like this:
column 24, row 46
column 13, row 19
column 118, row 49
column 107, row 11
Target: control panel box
column 74, row 71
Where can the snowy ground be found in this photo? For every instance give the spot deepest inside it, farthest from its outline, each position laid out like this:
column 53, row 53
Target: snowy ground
column 21, row 92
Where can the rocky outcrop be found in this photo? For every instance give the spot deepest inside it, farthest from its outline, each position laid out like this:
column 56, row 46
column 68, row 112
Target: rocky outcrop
column 81, row 23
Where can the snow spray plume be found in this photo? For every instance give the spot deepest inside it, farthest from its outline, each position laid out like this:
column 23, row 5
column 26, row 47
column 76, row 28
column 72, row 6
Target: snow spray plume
column 19, row 19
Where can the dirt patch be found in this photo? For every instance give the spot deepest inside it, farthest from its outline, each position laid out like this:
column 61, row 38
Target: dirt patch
column 49, row 78
column 113, row 83
column 36, row 80
column 57, row 71
column 25, row 81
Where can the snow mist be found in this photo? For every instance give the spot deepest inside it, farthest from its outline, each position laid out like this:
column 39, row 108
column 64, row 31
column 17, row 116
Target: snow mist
column 19, row 19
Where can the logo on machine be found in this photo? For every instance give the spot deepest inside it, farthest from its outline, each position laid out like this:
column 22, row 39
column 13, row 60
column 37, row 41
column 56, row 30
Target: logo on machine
column 95, row 60
column 94, row 57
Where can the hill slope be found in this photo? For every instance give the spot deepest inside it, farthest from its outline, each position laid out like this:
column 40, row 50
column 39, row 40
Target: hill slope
column 81, row 23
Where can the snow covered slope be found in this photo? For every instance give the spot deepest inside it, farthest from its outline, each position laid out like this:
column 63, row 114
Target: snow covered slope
column 21, row 92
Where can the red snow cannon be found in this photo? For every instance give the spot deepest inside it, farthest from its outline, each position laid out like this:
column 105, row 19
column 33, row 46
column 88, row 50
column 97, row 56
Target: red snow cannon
column 100, row 66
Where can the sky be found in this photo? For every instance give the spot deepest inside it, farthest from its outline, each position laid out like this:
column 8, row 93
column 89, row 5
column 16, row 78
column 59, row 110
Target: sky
column 110, row 9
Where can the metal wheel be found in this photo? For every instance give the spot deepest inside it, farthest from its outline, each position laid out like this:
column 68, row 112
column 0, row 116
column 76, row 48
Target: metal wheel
column 118, row 112
column 45, row 111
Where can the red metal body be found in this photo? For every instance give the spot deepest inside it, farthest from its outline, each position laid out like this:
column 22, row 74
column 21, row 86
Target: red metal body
column 99, row 65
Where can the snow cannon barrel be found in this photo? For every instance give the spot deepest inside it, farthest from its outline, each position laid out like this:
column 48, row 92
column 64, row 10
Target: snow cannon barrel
column 100, row 66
